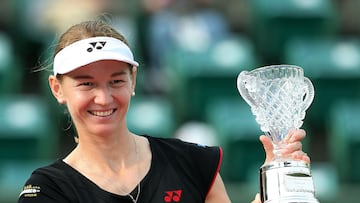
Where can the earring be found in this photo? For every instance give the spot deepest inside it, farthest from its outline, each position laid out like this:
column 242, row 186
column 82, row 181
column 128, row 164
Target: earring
column 133, row 94
column 61, row 101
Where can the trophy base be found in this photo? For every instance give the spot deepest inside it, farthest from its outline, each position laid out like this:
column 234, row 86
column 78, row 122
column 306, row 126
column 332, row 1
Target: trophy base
column 287, row 182
column 292, row 200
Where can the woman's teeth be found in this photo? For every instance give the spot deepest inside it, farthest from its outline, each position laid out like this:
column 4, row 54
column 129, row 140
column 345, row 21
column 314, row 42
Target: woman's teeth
column 102, row 113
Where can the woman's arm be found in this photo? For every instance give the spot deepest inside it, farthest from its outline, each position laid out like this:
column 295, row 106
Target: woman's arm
column 217, row 192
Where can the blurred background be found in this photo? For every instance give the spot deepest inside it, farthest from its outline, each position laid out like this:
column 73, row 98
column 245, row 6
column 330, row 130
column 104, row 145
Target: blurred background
column 190, row 53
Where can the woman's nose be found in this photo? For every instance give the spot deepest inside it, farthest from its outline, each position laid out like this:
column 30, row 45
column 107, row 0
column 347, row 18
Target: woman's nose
column 103, row 96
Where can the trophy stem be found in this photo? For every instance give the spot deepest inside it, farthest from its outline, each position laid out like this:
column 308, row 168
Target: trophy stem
column 277, row 151
column 277, row 154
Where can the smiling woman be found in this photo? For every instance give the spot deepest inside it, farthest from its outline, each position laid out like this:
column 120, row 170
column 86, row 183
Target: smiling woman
column 94, row 76
column 97, row 96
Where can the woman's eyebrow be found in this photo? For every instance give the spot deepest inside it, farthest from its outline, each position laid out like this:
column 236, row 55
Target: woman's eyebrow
column 83, row 77
column 118, row 73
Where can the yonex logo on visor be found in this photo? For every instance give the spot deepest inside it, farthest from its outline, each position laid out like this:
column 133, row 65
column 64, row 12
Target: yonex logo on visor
column 90, row 50
column 96, row 45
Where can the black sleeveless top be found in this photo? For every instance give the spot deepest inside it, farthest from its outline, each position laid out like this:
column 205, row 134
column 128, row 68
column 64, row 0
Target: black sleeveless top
column 179, row 172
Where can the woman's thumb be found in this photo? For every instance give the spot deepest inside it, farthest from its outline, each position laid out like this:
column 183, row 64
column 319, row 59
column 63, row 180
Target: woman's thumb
column 268, row 147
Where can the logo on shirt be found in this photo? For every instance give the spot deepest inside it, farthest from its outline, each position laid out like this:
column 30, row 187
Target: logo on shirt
column 173, row 196
column 96, row 45
column 30, row 191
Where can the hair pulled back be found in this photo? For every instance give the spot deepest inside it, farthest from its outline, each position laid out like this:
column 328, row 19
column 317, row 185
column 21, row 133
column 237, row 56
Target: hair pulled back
column 87, row 29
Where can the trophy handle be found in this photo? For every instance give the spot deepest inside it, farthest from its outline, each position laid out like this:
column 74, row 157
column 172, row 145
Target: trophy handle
column 309, row 93
column 243, row 90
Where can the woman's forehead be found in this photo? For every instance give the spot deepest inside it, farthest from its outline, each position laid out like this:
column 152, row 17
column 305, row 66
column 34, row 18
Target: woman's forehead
column 103, row 67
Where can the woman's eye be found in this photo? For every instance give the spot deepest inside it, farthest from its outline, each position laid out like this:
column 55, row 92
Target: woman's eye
column 86, row 84
column 116, row 82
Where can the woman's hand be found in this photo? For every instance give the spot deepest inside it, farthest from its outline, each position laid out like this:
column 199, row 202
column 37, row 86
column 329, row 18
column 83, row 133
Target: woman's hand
column 292, row 150
column 293, row 147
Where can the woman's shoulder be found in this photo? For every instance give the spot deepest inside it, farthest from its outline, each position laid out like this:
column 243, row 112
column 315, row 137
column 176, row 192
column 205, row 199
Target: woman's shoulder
column 174, row 142
column 46, row 181
column 56, row 170
column 56, row 173
column 177, row 147
column 196, row 165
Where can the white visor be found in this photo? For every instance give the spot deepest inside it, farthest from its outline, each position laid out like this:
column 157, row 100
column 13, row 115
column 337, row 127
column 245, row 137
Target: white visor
column 90, row 50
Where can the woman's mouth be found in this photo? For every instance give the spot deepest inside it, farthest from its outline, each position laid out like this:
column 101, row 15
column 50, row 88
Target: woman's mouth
column 102, row 113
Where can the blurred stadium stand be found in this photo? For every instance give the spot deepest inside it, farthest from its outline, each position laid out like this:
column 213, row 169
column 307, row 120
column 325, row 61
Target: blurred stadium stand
column 151, row 115
column 10, row 70
column 344, row 139
column 27, row 141
column 200, row 76
column 276, row 22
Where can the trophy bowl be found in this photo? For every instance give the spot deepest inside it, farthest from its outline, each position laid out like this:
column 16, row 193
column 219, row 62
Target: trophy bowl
column 279, row 96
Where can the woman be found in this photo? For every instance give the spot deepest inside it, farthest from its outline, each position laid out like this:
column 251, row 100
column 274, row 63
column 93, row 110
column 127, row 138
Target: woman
column 95, row 77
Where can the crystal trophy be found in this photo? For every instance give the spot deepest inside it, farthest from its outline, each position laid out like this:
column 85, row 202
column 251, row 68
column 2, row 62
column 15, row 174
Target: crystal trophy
column 279, row 96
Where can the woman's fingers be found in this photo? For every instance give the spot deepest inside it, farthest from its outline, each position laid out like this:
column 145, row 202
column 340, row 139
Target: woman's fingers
column 300, row 155
column 293, row 148
column 268, row 147
column 295, row 135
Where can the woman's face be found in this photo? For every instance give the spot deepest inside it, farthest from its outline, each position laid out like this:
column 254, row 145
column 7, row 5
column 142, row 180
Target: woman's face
column 97, row 96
